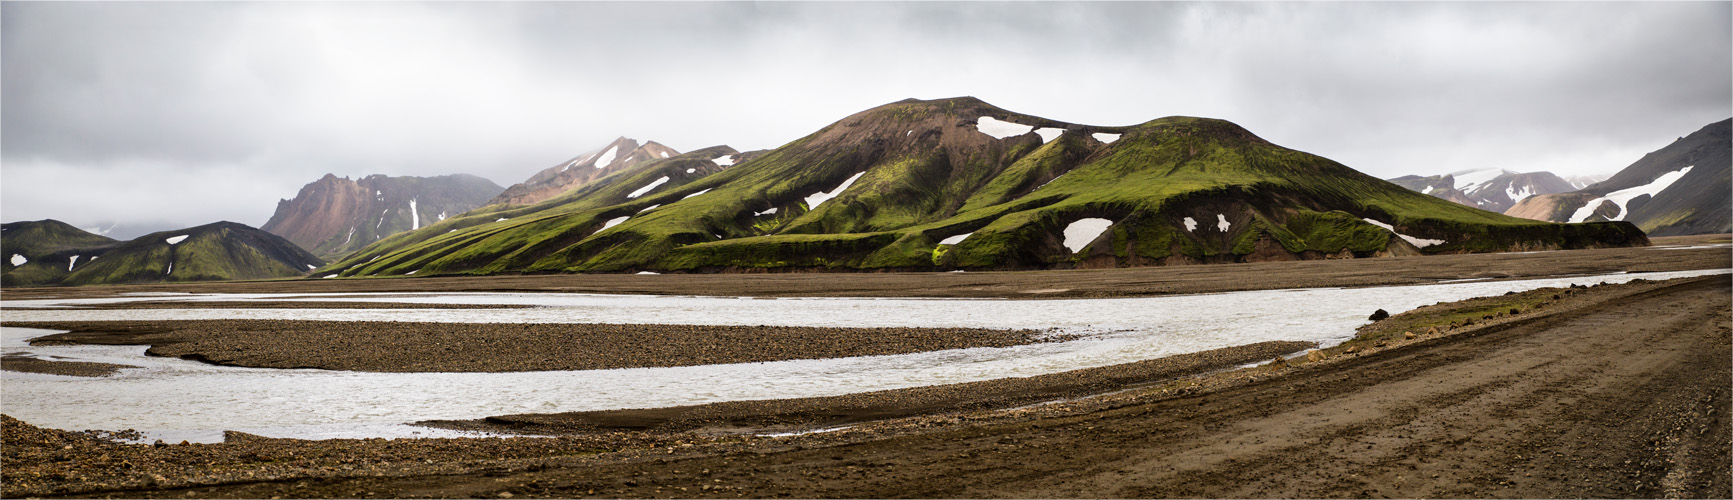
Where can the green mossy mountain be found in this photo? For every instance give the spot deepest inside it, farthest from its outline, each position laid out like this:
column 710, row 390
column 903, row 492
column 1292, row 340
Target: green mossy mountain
column 44, row 251
column 216, row 251
column 910, row 174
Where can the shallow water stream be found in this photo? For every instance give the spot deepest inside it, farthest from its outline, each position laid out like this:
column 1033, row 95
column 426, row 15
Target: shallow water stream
column 177, row 399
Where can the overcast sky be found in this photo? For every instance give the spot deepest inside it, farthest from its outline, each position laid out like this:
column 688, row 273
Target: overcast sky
column 187, row 113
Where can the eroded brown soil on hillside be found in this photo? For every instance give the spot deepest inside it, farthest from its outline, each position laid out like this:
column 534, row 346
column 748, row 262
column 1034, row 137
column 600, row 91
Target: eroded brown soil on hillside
column 1615, row 391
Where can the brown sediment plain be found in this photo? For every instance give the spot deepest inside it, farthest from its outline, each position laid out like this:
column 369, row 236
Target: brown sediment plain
column 1129, row 282
column 31, row 364
column 1611, row 391
column 508, row 347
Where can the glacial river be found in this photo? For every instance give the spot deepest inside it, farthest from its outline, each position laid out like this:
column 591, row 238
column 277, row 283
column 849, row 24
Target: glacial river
column 176, row 399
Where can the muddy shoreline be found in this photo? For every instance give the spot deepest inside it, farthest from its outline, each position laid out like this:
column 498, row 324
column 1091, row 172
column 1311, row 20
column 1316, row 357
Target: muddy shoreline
column 1610, row 391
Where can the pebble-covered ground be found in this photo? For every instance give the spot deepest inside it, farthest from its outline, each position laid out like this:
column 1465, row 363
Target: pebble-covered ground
column 31, row 364
column 456, row 347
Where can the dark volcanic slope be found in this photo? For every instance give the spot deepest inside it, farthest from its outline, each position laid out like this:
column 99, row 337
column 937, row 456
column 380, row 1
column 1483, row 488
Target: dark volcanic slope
column 216, row 251
column 1698, row 201
column 44, row 251
column 619, row 155
column 335, row 216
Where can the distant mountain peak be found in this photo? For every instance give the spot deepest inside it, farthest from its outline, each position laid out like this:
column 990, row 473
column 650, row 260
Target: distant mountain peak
column 1683, row 188
column 620, row 154
column 333, row 216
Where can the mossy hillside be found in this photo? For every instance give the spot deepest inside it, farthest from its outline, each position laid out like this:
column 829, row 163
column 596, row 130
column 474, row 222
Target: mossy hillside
column 927, row 174
column 48, row 246
column 217, row 251
column 42, row 237
column 477, row 242
column 782, row 179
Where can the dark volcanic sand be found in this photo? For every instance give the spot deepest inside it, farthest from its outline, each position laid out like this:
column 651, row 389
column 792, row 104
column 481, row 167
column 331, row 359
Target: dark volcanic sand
column 1615, row 391
column 458, row 347
column 1024, row 284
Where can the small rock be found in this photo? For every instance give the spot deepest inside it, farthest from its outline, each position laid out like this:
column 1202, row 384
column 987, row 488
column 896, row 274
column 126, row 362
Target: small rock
column 1379, row 315
column 1314, row 355
column 1352, row 349
column 1432, row 331
column 505, row 494
column 1408, row 335
column 159, row 444
column 1515, row 311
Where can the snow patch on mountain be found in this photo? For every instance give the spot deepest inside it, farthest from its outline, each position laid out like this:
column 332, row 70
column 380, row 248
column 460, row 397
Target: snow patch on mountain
column 999, row 129
column 176, row 239
column 1104, row 137
column 648, row 187
column 1470, row 181
column 18, row 260
column 606, row 157
column 1078, row 234
column 813, row 201
column 1623, row 196
column 1048, row 134
column 1517, row 195
column 614, row 222
column 1417, row 242
column 955, row 239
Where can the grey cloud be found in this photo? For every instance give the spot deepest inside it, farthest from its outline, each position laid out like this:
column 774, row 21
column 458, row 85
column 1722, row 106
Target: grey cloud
column 251, row 100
